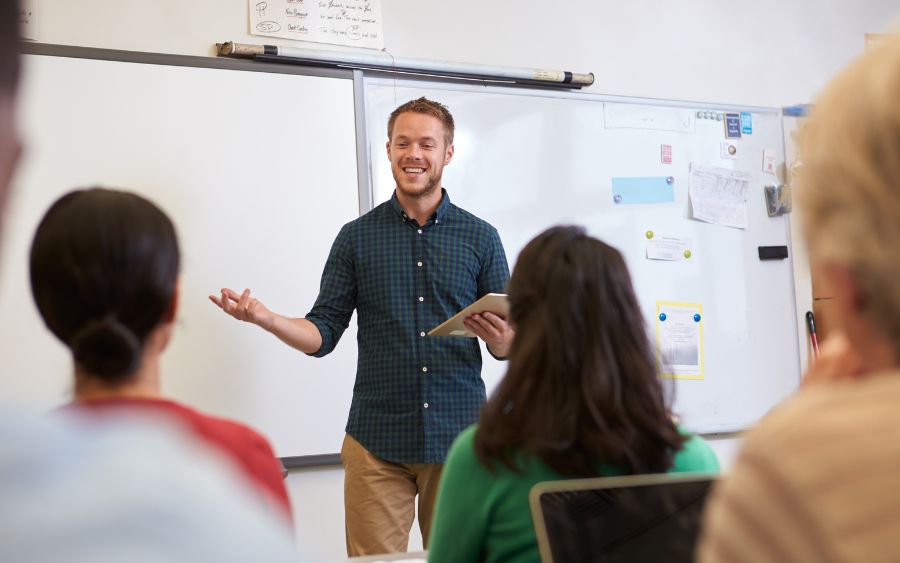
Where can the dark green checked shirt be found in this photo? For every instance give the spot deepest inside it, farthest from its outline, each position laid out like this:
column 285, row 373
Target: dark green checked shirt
column 413, row 393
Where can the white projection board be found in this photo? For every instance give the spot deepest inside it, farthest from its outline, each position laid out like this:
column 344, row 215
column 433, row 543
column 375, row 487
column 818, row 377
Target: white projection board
column 257, row 170
column 529, row 159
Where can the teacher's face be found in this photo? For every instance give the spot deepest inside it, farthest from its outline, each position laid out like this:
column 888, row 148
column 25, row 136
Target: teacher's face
column 418, row 154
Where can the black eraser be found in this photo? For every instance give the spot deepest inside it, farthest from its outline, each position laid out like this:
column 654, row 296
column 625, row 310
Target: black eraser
column 772, row 252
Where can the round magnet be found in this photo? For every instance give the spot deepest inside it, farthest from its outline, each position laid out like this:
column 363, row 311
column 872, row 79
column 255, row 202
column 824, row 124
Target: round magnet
column 707, row 114
column 732, row 150
column 700, row 114
column 662, row 316
column 696, row 317
column 617, row 198
column 670, row 180
column 718, row 117
column 649, row 234
column 687, row 253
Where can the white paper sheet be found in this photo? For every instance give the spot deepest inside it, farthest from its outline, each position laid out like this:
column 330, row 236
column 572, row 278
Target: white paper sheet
column 632, row 116
column 679, row 338
column 339, row 22
column 719, row 195
column 674, row 249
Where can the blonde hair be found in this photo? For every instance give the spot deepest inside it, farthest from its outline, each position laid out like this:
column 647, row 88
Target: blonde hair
column 848, row 186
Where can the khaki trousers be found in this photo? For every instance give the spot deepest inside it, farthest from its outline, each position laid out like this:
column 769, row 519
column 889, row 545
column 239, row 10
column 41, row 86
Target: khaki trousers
column 379, row 499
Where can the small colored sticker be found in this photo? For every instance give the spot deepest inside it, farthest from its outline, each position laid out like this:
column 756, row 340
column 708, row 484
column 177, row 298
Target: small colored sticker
column 746, row 123
column 666, row 154
column 662, row 316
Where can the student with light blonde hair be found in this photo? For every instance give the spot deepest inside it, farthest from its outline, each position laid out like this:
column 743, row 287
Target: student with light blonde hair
column 817, row 480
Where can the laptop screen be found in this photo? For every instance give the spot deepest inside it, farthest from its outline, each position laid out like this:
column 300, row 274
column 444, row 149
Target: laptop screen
column 620, row 519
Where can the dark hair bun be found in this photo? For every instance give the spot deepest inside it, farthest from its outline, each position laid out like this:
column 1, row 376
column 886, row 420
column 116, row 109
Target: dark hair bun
column 106, row 349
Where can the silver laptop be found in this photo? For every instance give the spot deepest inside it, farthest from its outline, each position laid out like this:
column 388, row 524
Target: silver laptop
column 620, row 519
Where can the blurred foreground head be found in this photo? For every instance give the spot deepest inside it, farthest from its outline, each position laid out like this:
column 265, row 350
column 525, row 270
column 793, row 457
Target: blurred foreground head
column 848, row 191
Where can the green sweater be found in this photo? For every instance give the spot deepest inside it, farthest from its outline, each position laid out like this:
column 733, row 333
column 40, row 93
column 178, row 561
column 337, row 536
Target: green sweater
column 484, row 516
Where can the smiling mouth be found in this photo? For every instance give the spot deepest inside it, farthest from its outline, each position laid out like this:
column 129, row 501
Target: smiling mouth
column 413, row 170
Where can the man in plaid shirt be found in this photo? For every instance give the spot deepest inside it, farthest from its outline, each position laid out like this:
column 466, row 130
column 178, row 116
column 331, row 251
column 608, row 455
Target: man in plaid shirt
column 405, row 267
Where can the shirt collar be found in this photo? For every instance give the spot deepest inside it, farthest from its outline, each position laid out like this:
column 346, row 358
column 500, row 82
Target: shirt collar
column 442, row 208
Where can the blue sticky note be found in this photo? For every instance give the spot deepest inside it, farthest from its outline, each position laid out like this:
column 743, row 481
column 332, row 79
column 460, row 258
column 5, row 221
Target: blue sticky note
column 746, row 123
column 654, row 189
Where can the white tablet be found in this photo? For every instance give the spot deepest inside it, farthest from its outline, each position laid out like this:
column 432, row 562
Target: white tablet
column 496, row 303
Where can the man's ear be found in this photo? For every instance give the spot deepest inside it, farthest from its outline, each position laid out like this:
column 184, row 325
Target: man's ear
column 448, row 155
column 387, row 147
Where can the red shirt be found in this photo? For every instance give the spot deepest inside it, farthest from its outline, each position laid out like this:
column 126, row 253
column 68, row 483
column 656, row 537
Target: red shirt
column 245, row 446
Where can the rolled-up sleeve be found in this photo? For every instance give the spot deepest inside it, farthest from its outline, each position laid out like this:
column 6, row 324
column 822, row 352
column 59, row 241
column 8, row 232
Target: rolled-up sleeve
column 337, row 293
column 494, row 274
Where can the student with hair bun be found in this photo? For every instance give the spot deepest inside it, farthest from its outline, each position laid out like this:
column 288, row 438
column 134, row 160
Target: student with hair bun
column 104, row 274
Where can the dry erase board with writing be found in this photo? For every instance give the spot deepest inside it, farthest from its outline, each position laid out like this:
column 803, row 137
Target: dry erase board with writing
column 257, row 170
column 529, row 159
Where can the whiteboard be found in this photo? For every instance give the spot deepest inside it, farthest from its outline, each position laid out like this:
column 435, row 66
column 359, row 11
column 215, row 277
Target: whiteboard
column 529, row 159
column 258, row 172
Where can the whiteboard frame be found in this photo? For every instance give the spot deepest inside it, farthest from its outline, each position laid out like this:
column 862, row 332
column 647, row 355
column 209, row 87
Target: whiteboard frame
column 361, row 80
column 385, row 79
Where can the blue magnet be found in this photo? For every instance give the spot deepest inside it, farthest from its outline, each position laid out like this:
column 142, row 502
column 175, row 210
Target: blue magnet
column 617, row 198
column 662, row 316
column 696, row 317
column 670, row 180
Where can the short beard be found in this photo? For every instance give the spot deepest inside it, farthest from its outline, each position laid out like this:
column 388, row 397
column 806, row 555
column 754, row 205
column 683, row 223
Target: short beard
column 430, row 187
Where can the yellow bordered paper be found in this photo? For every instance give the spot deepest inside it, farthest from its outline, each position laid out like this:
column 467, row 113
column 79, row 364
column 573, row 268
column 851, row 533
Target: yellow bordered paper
column 679, row 339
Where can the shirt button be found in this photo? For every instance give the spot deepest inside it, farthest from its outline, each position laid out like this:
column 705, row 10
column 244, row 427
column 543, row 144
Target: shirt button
column 424, row 368
column 425, row 405
column 421, row 299
column 421, row 334
column 419, row 231
column 419, row 264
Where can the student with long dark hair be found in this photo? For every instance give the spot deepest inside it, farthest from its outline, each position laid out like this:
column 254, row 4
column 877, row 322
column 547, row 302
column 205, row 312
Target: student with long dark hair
column 581, row 398
column 104, row 274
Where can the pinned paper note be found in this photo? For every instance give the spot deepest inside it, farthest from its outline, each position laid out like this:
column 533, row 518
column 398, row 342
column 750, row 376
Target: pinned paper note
column 642, row 190
column 669, row 248
column 768, row 161
column 665, row 154
column 348, row 22
column 719, row 196
column 732, row 126
column 679, row 339
column 729, row 150
column 28, row 16
column 634, row 116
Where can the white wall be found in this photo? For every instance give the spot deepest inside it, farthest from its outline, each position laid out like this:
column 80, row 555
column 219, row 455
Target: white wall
column 770, row 52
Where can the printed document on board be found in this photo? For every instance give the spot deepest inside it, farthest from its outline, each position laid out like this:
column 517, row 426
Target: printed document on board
column 679, row 339
column 719, row 195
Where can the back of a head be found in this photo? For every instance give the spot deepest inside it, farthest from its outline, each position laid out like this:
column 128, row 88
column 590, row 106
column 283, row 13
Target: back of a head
column 582, row 383
column 104, row 268
column 849, row 181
